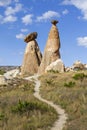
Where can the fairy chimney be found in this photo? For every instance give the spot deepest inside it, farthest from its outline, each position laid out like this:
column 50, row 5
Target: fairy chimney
column 51, row 52
column 32, row 56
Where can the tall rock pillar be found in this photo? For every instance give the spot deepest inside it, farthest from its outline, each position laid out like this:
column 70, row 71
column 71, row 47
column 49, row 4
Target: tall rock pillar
column 32, row 56
column 51, row 52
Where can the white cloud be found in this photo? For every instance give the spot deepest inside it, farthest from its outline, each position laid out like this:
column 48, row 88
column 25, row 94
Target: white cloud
column 64, row 12
column 24, row 30
column 9, row 18
column 48, row 15
column 82, row 41
column 80, row 4
column 9, row 14
column 11, row 10
column 27, row 19
column 20, row 36
column 5, row 2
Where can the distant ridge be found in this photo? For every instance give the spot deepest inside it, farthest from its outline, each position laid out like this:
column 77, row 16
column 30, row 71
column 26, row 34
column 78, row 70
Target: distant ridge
column 8, row 68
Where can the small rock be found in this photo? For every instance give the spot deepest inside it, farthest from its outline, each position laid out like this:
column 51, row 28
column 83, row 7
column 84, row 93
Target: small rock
column 2, row 80
column 30, row 37
column 56, row 66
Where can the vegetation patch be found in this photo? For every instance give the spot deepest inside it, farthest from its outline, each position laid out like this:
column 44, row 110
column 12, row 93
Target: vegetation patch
column 20, row 110
column 70, row 95
column 2, row 72
column 69, row 84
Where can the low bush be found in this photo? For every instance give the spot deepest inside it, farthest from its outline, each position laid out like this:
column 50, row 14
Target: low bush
column 53, row 71
column 24, row 106
column 2, row 72
column 69, row 84
column 79, row 76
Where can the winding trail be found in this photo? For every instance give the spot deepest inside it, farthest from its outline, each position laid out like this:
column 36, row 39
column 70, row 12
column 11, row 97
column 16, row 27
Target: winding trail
column 62, row 117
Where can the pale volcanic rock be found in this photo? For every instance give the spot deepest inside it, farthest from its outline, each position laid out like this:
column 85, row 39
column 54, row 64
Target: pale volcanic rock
column 56, row 66
column 78, row 65
column 51, row 52
column 2, row 80
column 32, row 58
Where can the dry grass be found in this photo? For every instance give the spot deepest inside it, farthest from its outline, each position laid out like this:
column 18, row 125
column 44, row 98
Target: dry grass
column 20, row 110
column 73, row 98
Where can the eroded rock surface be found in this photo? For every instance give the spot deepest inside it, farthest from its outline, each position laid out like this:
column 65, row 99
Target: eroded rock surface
column 51, row 52
column 32, row 56
column 56, row 66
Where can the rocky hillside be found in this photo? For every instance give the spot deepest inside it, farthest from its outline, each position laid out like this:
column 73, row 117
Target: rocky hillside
column 7, row 68
column 69, row 90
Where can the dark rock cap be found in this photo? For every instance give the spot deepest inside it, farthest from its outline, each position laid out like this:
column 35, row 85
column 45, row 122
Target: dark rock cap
column 30, row 37
column 54, row 22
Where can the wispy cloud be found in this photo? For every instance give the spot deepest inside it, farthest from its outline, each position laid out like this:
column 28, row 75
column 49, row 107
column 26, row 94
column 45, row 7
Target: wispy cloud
column 82, row 41
column 24, row 30
column 12, row 11
column 64, row 12
column 5, row 2
column 27, row 19
column 80, row 4
column 47, row 15
column 9, row 18
column 20, row 36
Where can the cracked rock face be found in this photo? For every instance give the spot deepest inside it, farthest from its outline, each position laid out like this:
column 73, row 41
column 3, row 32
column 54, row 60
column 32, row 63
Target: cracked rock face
column 51, row 52
column 32, row 57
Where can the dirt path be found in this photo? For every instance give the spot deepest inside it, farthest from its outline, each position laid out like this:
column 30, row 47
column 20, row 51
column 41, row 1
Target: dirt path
column 62, row 117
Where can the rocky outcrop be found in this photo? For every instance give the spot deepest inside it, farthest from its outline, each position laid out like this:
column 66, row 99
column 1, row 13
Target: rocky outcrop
column 12, row 74
column 56, row 66
column 78, row 66
column 51, row 52
column 32, row 56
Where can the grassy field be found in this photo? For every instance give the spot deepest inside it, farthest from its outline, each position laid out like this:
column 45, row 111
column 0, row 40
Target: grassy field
column 20, row 110
column 69, row 90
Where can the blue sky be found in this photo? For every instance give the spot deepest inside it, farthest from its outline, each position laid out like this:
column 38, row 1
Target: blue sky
column 21, row 17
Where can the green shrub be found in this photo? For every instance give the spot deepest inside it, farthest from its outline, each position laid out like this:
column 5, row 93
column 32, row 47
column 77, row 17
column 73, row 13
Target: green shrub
column 2, row 72
column 49, row 81
column 69, row 84
column 53, row 71
column 2, row 116
column 24, row 106
column 79, row 76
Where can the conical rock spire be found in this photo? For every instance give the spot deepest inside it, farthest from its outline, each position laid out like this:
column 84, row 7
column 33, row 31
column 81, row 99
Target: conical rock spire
column 32, row 56
column 51, row 52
